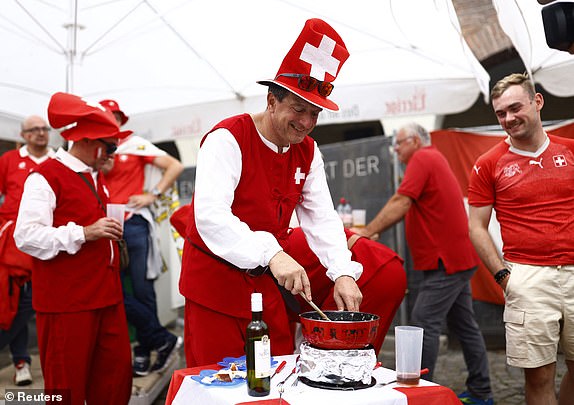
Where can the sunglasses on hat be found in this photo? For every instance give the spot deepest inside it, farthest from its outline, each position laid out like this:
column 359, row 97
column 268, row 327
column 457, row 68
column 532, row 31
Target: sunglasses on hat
column 308, row 83
column 110, row 147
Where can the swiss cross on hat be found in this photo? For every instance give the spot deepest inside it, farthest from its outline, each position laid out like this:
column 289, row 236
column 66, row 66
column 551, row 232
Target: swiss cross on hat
column 318, row 53
column 113, row 106
column 82, row 119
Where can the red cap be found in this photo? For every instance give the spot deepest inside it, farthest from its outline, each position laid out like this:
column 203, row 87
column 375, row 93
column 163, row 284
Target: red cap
column 318, row 52
column 113, row 106
column 84, row 119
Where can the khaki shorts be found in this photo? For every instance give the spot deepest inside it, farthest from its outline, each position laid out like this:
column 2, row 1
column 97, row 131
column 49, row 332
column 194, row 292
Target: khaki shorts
column 538, row 314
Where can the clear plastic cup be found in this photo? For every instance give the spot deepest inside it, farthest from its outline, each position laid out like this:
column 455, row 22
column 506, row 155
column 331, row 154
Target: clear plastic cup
column 359, row 218
column 408, row 354
column 117, row 211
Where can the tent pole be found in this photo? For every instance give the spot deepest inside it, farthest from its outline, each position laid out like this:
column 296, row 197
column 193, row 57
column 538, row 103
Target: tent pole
column 71, row 50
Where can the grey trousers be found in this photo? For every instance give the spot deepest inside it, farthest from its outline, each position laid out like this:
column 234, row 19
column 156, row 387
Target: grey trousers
column 441, row 297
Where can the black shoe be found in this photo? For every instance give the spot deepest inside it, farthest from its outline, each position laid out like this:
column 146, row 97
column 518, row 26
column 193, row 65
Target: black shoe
column 166, row 353
column 141, row 366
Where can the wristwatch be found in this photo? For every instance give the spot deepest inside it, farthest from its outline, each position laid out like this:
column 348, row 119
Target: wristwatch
column 501, row 275
column 155, row 192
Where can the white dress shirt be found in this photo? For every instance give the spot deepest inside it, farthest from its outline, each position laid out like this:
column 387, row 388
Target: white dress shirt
column 34, row 233
column 217, row 176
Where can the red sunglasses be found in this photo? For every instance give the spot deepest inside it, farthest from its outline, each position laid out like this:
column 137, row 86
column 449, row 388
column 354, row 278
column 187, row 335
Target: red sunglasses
column 308, row 83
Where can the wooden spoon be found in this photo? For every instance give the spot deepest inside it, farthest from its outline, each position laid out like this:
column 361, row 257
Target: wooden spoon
column 315, row 307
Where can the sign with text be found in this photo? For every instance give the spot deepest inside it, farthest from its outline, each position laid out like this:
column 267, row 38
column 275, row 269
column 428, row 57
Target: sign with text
column 361, row 171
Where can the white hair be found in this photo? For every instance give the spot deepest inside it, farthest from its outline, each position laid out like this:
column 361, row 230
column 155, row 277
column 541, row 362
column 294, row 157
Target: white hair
column 417, row 130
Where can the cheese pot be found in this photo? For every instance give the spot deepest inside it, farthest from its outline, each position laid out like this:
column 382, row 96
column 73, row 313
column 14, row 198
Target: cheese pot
column 344, row 330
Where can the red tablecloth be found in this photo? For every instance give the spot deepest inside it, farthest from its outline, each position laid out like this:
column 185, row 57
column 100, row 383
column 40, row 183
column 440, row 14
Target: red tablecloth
column 178, row 376
column 435, row 395
column 427, row 395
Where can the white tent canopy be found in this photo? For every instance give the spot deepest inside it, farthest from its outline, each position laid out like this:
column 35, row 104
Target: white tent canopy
column 522, row 22
column 201, row 58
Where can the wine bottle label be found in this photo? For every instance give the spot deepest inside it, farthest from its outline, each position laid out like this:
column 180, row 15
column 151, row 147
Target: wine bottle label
column 263, row 357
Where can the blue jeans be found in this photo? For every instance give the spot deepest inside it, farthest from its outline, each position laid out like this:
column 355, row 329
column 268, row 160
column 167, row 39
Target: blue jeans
column 441, row 297
column 140, row 305
column 17, row 335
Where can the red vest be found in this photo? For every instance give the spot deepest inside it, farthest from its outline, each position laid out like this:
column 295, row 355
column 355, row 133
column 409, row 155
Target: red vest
column 264, row 199
column 88, row 279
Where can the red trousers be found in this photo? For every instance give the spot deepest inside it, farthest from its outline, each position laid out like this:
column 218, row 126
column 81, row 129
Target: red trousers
column 86, row 356
column 210, row 336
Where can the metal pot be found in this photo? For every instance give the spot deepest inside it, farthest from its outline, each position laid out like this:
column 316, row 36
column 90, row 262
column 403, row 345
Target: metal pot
column 344, row 330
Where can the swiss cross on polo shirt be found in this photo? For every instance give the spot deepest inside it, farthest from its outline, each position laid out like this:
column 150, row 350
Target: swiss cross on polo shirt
column 321, row 58
column 559, row 161
column 299, row 176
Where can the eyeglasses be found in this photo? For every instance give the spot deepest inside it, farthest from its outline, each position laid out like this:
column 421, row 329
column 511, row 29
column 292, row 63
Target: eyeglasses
column 110, row 147
column 309, row 83
column 37, row 130
column 397, row 142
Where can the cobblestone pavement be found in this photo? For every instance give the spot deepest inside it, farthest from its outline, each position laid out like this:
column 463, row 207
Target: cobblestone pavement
column 507, row 382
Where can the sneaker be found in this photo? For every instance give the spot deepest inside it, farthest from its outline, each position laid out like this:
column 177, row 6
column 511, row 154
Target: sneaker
column 23, row 375
column 141, row 366
column 166, row 353
column 467, row 398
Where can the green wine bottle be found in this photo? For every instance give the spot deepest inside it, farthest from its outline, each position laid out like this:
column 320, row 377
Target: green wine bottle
column 258, row 351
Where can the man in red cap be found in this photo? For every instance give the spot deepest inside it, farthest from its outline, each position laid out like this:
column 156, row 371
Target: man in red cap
column 126, row 179
column 15, row 266
column 82, row 331
column 253, row 172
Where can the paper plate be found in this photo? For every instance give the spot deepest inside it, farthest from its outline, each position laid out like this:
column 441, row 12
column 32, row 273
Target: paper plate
column 215, row 383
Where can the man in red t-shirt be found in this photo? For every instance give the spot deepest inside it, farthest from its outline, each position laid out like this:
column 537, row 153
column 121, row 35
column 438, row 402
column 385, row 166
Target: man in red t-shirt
column 430, row 200
column 527, row 179
column 16, row 266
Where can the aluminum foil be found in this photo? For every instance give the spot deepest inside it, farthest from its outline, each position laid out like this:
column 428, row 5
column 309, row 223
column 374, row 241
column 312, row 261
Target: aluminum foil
column 336, row 366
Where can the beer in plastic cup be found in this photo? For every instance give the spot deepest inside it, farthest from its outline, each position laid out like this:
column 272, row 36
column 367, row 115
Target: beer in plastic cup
column 359, row 218
column 408, row 354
